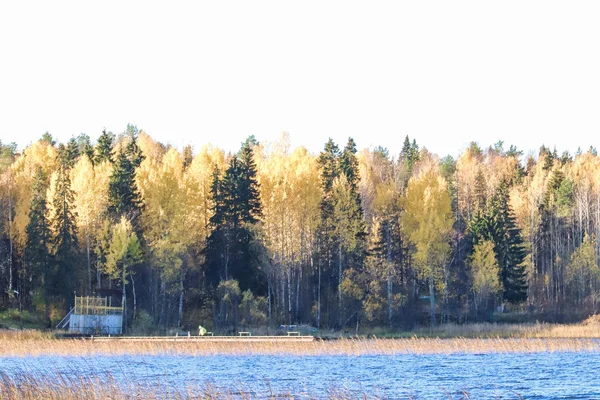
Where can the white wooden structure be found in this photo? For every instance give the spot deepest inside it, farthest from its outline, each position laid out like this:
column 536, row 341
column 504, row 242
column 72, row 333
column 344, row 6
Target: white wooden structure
column 93, row 315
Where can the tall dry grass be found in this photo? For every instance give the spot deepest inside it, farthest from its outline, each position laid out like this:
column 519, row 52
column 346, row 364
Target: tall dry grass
column 588, row 329
column 353, row 347
column 447, row 339
column 76, row 387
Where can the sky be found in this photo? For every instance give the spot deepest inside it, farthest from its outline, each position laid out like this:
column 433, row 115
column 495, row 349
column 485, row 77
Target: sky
column 443, row 72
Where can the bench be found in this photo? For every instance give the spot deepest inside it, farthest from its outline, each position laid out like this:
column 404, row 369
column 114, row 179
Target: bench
column 244, row 334
column 293, row 333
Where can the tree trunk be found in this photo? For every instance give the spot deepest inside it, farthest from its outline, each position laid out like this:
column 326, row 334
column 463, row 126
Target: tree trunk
column 269, row 301
column 298, row 293
column 235, row 315
column 10, row 245
column 340, row 281
column 163, row 295
column 390, row 298
column 124, row 300
column 180, row 315
column 134, row 297
column 46, row 297
column 89, row 264
column 432, row 301
column 319, row 298
column 289, row 290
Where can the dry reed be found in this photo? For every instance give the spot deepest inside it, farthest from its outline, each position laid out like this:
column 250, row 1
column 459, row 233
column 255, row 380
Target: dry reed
column 446, row 339
column 33, row 345
column 77, row 387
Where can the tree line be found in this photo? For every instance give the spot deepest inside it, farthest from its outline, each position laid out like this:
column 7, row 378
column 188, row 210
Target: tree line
column 272, row 235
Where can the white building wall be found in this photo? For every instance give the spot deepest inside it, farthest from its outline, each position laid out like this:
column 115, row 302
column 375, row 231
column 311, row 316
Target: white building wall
column 96, row 324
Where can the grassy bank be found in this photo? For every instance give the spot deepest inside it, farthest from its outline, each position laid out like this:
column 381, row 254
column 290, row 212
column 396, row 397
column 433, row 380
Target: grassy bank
column 33, row 344
column 588, row 329
column 448, row 339
column 13, row 319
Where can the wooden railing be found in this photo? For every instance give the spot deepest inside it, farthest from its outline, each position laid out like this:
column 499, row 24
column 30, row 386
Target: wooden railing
column 86, row 305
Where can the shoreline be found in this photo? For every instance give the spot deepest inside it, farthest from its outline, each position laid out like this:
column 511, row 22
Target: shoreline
column 342, row 347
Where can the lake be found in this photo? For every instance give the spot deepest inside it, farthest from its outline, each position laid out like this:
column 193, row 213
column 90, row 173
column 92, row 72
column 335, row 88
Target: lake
column 433, row 376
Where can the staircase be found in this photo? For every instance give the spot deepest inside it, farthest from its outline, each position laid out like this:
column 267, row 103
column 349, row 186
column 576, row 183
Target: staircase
column 64, row 323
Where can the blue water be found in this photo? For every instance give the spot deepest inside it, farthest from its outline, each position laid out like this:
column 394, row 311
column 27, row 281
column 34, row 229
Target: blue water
column 482, row 376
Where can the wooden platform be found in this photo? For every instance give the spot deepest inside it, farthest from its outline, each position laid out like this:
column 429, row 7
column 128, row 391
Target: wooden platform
column 236, row 339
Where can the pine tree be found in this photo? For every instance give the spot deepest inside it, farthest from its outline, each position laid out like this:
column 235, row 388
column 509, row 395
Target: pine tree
column 47, row 137
column 342, row 231
column 216, row 252
column 71, row 153
column 497, row 224
column 329, row 168
column 188, row 156
column 248, row 187
column 480, row 191
column 233, row 251
column 124, row 197
column 409, row 155
column 64, row 235
column 36, row 253
column 512, row 268
column 349, row 167
column 104, row 147
column 406, row 151
column 85, row 147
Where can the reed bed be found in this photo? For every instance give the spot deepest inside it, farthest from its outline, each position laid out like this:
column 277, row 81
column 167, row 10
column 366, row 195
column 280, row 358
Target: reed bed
column 77, row 387
column 33, row 345
column 588, row 329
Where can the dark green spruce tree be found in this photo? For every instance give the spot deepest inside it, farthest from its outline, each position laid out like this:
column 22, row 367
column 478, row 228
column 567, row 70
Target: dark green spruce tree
column 334, row 257
column 123, row 194
column 233, row 250
column 36, row 255
column 497, row 224
column 329, row 167
column 85, row 147
column 104, row 147
column 69, row 154
column 64, row 238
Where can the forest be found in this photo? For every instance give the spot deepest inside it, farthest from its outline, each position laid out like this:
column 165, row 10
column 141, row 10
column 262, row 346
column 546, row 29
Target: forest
column 274, row 235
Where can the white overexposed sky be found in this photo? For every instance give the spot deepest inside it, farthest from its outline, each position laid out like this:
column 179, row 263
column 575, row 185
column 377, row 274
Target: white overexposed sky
column 443, row 72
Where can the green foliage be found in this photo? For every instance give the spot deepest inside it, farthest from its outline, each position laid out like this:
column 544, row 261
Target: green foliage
column 47, row 137
column 427, row 221
column 410, row 154
column 228, row 296
column 124, row 197
column 583, row 273
column 124, row 251
column 104, row 147
column 253, row 310
column 497, row 225
column 231, row 250
column 84, row 146
column 37, row 252
column 485, row 272
column 64, row 242
column 291, row 229
column 143, row 324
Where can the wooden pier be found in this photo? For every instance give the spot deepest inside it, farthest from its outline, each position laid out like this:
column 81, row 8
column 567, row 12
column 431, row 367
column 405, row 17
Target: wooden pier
column 236, row 339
